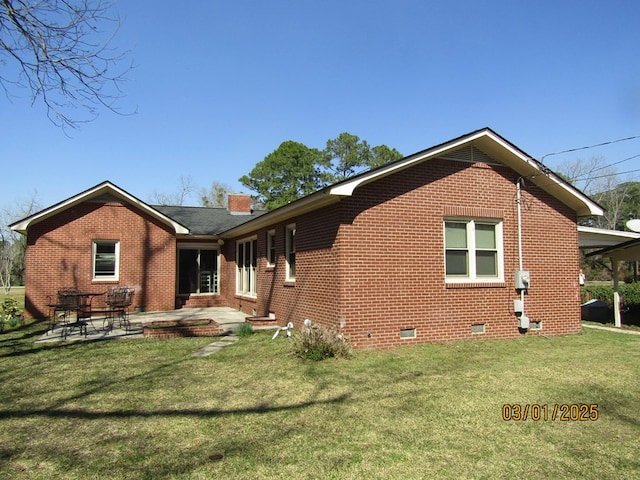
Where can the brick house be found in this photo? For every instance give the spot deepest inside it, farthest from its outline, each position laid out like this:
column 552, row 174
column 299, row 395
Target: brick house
column 423, row 249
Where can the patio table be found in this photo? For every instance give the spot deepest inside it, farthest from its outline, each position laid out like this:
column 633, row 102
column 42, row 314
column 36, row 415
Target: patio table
column 68, row 302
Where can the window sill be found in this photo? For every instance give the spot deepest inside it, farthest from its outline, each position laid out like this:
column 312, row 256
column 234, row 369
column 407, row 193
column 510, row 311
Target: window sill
column 194, row 294
column 246, row 296
column 455, row 285
column 290, row 283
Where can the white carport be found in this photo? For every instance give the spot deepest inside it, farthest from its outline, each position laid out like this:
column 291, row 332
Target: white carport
column 618, row 246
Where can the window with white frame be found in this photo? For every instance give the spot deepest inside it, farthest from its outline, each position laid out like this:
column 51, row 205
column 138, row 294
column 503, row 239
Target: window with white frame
column 106, row 259
column 271, row 248
column 473, row 250
column 290, row 250
column 246, row 267
column 197, row 269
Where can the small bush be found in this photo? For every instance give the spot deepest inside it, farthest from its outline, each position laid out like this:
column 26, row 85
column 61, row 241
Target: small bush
column 9, row 307
column 629, row 292
column 244, row 330
column 317, row 343
column 9, row 313
column 603, row 293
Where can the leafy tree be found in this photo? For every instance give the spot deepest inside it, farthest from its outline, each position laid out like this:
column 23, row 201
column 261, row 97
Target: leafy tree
column 61, row 55
column 381, row 155
column 286, row 174
column 295, row 170
column 347, row 156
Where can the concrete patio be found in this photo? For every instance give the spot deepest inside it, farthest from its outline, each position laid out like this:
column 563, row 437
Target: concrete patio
column 229, row 318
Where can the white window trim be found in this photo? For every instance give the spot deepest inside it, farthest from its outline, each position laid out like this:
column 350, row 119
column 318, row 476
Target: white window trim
column 200, row 246
column 471, row 247
column 271, row 240
column 105, row 278
column 250, row 274
column 291, row 227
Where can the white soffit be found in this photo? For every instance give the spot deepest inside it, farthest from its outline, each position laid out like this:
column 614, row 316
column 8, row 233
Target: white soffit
column 494, row 145
column 589, row 237
column 100, row 189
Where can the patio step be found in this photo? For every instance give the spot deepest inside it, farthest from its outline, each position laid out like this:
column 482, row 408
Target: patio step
column 201, row 302
column 263, row 323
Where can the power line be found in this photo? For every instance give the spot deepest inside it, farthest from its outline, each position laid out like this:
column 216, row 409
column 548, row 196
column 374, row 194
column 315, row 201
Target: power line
column 588, row 174
column 616, row 174
column 590, row 146
column 545, row 184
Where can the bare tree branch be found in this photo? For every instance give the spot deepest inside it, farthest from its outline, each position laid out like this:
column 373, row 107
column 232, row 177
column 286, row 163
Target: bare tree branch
column 62, row 56
column 13, row 244
column 186, row 187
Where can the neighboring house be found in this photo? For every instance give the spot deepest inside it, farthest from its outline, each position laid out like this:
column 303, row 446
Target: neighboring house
column 420, row 250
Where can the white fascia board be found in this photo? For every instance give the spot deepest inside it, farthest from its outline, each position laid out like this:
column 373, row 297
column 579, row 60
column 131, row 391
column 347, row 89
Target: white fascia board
column 590, row 237
column 105, row 187
column 347, row 188
column 589, row 206
column 524, row 164
column 307, row 204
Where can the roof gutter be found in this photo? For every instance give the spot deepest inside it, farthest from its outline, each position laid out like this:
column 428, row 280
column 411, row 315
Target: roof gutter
column 306, row 204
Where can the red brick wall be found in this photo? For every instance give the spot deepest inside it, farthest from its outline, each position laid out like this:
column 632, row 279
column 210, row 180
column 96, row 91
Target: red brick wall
column 374, row 263
column 59, row 254
column 314, row 294
column 370, row 265
column 395, row 280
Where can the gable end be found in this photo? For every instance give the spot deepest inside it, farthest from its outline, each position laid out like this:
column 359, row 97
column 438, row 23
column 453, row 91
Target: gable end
column 470, row 154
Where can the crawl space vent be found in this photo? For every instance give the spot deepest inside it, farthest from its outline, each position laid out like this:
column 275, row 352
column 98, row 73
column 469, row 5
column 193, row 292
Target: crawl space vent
column 535, row 326
column 477, row 328
column 408, row 333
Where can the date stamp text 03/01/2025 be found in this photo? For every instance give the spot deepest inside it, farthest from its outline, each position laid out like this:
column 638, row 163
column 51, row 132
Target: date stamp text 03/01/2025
column 565, row 412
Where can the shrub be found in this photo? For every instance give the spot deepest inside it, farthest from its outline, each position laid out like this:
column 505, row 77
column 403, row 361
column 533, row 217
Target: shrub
column 244, row 330
column 9, row 313
column 316, row 342
column 600, row 292
column 630, row 293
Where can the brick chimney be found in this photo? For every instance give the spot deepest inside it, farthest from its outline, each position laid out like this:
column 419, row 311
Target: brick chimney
column 239, row 204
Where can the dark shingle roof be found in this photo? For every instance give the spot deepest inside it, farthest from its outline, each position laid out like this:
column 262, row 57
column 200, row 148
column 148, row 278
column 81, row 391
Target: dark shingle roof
column 204, row 220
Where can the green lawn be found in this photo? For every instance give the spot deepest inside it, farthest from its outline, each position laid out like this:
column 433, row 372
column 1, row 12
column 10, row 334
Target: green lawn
column 146, row 409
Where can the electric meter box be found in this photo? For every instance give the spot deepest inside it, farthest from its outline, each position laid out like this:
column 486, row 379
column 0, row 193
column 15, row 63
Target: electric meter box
column 518, row 307
column 522, row 280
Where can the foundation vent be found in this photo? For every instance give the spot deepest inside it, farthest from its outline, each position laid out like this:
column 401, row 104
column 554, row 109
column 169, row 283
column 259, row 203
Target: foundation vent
column 477, row 328
column 408, row 333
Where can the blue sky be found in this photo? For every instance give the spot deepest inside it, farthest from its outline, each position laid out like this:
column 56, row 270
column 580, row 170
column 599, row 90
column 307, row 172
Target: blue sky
column 219, row 85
